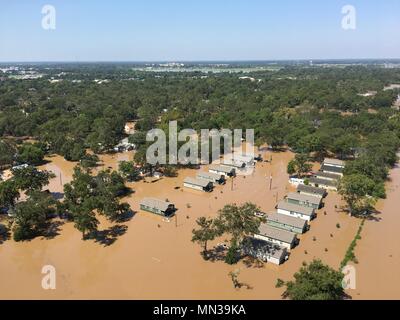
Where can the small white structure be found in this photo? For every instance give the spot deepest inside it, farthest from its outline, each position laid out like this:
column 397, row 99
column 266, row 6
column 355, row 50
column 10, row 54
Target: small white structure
column 198, row 184
column 213, row 177
column 224, row 170
column 280, row 237
column 293, row 210
column 239, row 160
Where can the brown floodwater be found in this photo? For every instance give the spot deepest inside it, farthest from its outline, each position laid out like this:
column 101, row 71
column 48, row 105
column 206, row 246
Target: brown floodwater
column 155, row 258
column 378, row 253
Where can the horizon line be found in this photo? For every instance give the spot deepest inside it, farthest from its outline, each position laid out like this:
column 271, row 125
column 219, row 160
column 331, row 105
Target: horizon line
column 201, row 61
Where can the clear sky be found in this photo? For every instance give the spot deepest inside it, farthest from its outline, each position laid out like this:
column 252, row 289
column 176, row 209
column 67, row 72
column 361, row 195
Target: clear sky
column 166, row 30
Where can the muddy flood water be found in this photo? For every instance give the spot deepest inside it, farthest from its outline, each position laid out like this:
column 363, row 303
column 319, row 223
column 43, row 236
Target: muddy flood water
column 155, row 258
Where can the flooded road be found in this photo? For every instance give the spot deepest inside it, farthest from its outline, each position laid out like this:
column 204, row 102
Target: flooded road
column 155, row 258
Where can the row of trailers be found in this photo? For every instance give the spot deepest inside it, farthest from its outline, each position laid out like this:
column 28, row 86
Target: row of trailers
column 204, row 181
column 278, row 235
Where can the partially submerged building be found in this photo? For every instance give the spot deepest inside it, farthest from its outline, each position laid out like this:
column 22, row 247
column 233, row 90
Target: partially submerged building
column 304, row 200
column 333, row 166
column 311, row 191
column 224, row 170
column 331, row 162
column 332, row 170
column 277, row 236
column 327, row 175
column 287, row 223
column 213, row 177
column 198, row 184
column 157, row 206
column 294, row 210
column 323, row 183
column 264, row 250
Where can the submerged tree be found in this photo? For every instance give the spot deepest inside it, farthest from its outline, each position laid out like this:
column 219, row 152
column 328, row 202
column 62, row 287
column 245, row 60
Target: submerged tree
column 31, row 215
column 238, row 222
column 31, row 179
column 299, row 165
column 31, row 154
column 8, row 193
column 315, row 281
column 206, row 232
column 87, row 195
column 129, row 170
column 357, row 190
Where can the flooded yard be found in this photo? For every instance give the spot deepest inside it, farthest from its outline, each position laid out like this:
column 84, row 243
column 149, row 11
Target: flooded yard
column 155, row 258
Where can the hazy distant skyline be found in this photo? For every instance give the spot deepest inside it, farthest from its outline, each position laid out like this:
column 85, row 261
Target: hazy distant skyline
column 156, row 30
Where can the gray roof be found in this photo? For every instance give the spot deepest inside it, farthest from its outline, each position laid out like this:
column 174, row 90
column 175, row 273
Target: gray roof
column 325, row 182
column 284, row 219
column 197, row 182
column 208, row 175
column 327, row 175
column 155, row 203
column 309, row 189
column 304, row 198
column 258, row 246
column 221, row 168
column 334, row 162
column 275, row 233
column 308, row 211
column 331, row 169
column 234, row 163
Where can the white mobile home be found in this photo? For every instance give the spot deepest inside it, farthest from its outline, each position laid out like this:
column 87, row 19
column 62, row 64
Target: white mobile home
column 282, row 221
column 334, row 163
column 294, row 210
column 224, row 170
column 311, row 191
column 327, row 176
column 304, row 200
column 323, row 183
column 213, row 177
column 264, row 250
column 332, row 170
column 277, row 236
column 157, row 206
column 198, row 184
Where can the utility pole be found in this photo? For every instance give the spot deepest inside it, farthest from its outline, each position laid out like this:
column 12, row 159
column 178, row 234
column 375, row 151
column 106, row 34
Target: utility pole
column 232, row 183
column 176, row 220
column 270, row 182
column 60, row 179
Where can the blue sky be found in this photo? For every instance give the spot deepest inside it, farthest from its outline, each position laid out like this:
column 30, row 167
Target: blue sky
column 160, row 30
